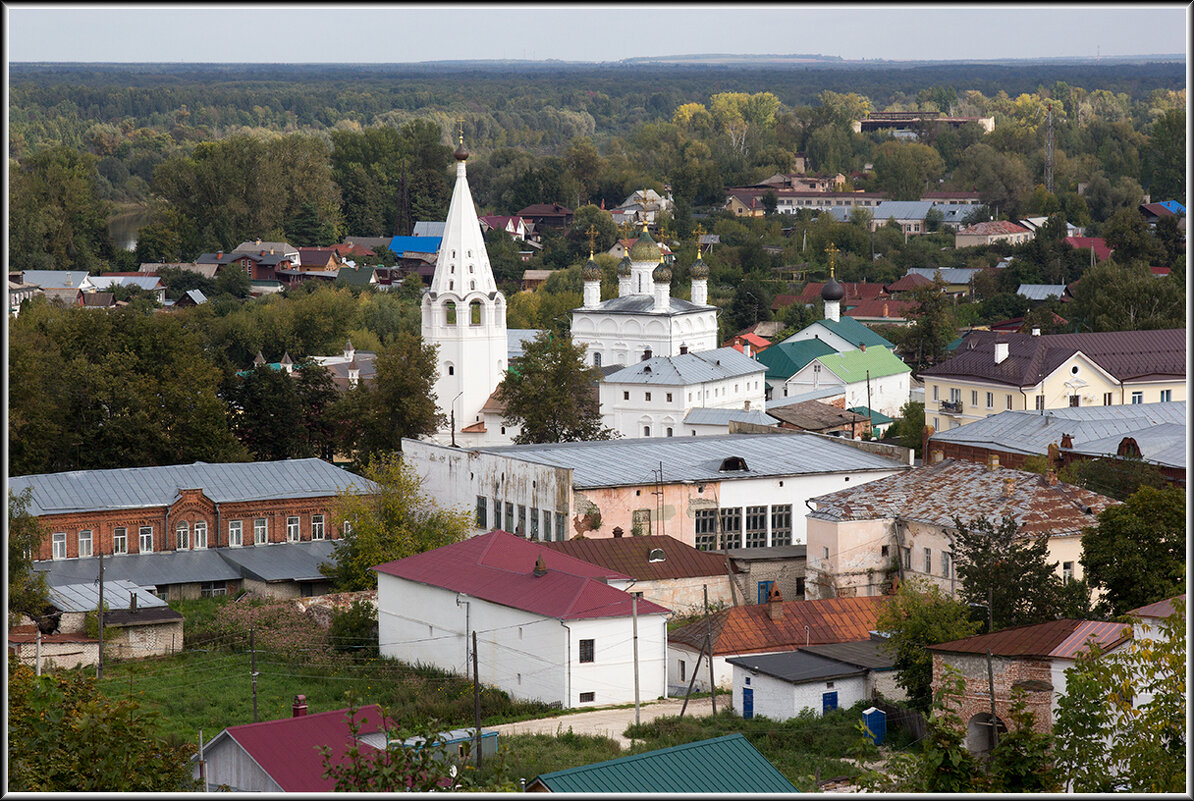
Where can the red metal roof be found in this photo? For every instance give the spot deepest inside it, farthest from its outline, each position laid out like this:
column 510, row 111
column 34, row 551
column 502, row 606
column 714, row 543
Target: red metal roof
column 631, row 555
column 909, row 282
column 1056, row 638
column 883, row 308
column 286, row 749
column 856, row 292
column 750, row 629
column 499, row 567
column 1161, row 609
column 1087, row 242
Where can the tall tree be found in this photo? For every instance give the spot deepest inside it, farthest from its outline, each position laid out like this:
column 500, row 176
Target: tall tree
column 552, row 394
column 905, row 169
column 1137, row 553
column 933, row 327
column 1111, row 297
column 396, row 519
column 1166, row 156
column 27, row 590
column 1009, row 571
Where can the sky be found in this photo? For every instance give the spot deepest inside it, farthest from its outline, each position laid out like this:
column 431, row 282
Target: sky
column 374, row 33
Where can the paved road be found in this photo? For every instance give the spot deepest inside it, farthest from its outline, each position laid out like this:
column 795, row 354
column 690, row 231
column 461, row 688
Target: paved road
column 610, row 722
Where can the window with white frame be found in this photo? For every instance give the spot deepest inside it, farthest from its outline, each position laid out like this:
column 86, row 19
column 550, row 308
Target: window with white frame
column 317, row 531
column 1166, row 395
column 59, row 545
column 1067, row 571
column 1009, row 401
column 200, row 534
column 292, row 529
column 1137, row 398
column 345, row 528
column 120, row 540
column 84, row 544
column 181, row 536
column 145, row 539
column 990, row 400
column 236, row 533
column 260, row 531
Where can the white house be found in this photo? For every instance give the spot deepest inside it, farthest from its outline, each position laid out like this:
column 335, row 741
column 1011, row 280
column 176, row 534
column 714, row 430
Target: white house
column 871, row 377
column 652, row 397
column 59, row 279
column 781, row 686
column 548, row 627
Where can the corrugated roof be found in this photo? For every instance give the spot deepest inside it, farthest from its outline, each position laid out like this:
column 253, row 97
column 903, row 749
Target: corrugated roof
column 1041, row 291
column 498, row 567
column 1163, row 444
column 869, row 654
column 138, row 487
column 853, row 366
column 1160, row 609
column 631, row 556
column 117, row 595
column 702, row 416
column 630, row 462
column 55, row 279
column 728, row 764
column 750, row 629
column 881, row 309
column 937, row 493
column 950, row 275
column 901, row 210
column 1055, row 638
column 797, row 666
column 517, row 339
column 429, row 228
column 688, row 368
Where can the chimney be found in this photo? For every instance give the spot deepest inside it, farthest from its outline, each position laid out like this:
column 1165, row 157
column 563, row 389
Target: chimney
column 938, row 455
column 1000, row 352
column 775, row 604
column 299, row 708
column 1036, row 332
column 133, row 601
column 1009, row 487
column 220, row 255
column 683, row 349
column 1051, row 478
column 862, row 346
column 746, row 406
column 993, row 461
column 1067, row 441
column 258, row 241
column 646, row 354
column 745, row 348
column 540, row 566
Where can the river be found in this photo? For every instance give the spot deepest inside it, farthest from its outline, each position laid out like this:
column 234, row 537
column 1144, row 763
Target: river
column 124, row 227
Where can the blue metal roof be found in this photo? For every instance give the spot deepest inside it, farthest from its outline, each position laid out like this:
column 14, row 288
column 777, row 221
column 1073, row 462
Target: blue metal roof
column 1173, row 205
column 415, row 244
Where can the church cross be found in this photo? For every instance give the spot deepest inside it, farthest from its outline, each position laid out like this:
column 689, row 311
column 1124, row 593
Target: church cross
column 832, row 251
column 592, row 235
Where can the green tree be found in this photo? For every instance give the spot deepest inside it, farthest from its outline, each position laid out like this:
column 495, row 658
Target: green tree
column 1166, row 156
column 1137, row 553
column 353, row 630
column 391, row 519
column 1127, row 234
column 1121, row 724
column 27, row 590
column 920, row 614
column 1116, row 478
column 933, row 327
column 904, row 169
column 66, row 736
column 1111, row 297
column 552, row 394
column 1008, row 570
column 908, row 430
column 1021, row 761
column 1002, row 179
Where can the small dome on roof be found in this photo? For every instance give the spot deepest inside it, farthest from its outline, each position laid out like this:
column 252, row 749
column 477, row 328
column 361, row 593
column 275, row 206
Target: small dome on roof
column 624, row 266
column 591, row 271
column 662, row 274
column 699, row 269
column 645, row 249
column 461, row 152
column 832, row 290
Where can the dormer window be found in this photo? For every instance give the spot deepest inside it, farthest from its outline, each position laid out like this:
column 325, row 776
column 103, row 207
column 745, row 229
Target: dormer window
column 733, row 464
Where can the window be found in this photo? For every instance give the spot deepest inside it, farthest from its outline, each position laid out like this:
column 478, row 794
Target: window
column 560, row 518
column 1009, row 401
column 213, row 588
column 669, row 397
column 84, row 544
column 316, row 527
column 1137, row 397
column 756, row 527
column 990, row 400
column 1106, row 398
column 59, row 540
column 510, row 524
column 706, row 529
column 935, row 397
column 451, row 369
column 731, row 527
column 1040, row 403
column 764, row 591
column 482, row 510
column 522, row 521
column 946, row 559
column 955, row 395
column 260, row 531
column 640, row 521
column 974, row 397
column 1067, row 571
column 670, row 432
column 626, row 395
column 648, row 397
column 883, row 550
column 547, row 524
column 497, row 514
column 587, row 650
column 586, row 698
column 800, row 586
column 646, row 431
column 534, row 523
column 683, row 668
column 235, row 533
column 120, row 540
column 1075, row 400
column 928, row 560
column 292, row 529
column 596, row 359
column 908, row 558
column 345, row 528
column 181, row 537
column 145, row 543
column 201, row 534
column 1166, row 395
column 936, row 425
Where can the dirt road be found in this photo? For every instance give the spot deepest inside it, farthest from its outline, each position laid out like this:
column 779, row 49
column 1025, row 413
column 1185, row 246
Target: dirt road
column 610, row 722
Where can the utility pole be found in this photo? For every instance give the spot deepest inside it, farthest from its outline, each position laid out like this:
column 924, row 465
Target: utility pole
column 692, row 679
column 202, row 765
column 37, row 651
column 991, row 686
column 1049, row 150
column 253, row 671
column 870, row 416
column 634, row 629
column 99, row 670
column 709, row 640
column 476, row 700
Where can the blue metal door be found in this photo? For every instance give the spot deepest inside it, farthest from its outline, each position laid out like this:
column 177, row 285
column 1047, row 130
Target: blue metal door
column 764, row 590
column 748, row 703
column 828, row 702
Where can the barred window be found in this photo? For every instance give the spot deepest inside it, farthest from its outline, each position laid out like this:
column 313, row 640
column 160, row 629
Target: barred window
column 731, row 527
column 587, row 650
column 181, row 537
column 756, row 527
column 781, row 525
column 706, row 529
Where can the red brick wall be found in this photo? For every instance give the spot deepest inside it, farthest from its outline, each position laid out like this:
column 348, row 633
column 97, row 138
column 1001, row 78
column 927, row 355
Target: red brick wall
column 191, row 507
column 976, row 698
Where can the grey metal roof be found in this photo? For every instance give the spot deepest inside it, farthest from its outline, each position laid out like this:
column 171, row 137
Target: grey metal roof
column 797, row 666
column 54, row 279
column 144, row 570
column 1041, row 291
column 428, row 228
column 197, row 296
column 517, row 339
column 1032, row 432
column 951, row 275
column 629, row 462
column 901, row 210
column 117, row 594
column 688, row 368
column 816, row 394
column 701, row 416
column 146, row 282
column 1164, row 444
column 642, row 304
column 297, row 561
column 765, row 554
column 870, row 654
column 137, row 487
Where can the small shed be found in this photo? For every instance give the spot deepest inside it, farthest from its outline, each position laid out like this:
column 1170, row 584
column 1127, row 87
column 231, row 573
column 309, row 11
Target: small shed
column 781, row 686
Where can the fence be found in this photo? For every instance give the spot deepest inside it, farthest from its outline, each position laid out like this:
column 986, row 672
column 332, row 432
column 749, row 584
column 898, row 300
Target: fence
column 908, row 720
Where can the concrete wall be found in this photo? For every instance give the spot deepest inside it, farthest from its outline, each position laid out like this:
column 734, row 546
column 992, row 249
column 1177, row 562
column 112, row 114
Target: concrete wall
column 59, row 654
column 630, row 416
column 722, row 673
column 883, row 682
column 778, row 699
column 685, row 595
column 137, row 642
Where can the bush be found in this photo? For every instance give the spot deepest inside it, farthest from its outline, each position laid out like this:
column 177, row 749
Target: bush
column 354, row 630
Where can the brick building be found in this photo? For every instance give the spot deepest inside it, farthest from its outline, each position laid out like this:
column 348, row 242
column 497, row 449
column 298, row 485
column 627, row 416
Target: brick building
column 1032, row 658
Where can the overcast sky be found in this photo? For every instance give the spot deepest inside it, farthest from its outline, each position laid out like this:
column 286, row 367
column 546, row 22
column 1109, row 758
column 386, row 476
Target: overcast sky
column 609, row 32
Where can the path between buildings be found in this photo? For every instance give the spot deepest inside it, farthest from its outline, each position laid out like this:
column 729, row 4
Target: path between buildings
column 610, row 722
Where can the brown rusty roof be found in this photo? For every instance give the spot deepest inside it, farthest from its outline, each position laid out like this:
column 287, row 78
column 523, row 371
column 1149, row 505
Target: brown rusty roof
column 937, row 493
column 749, row 629
column 814, row 415
column 1161, row 609
column 631, row 555
column 1056, row 638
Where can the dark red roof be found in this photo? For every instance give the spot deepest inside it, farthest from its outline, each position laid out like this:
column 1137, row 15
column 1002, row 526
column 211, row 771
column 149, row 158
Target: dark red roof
column 499, row 567
column 1126, row 355
column 28, row 634
column 1087, row 242
column 882, row 307
column 631, row 555
column 1057, row 638
column 909, row 282
column 1161, row 609
column 287, row 749
column 856, row 291
column 544, row 210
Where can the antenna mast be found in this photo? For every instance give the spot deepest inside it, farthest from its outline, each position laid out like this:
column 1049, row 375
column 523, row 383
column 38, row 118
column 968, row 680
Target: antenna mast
column 1049, row 151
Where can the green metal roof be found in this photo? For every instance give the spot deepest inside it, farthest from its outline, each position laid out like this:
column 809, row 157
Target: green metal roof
column 786, row 358
column 855, row 332
column 877, row 418
column 853, row 365
column 728, row 764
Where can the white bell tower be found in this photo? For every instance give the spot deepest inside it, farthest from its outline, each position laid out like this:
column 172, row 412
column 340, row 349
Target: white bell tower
column 464, row 313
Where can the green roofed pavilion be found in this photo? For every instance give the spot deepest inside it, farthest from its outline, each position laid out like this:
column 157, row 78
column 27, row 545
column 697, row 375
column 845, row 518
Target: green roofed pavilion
column 728, row 764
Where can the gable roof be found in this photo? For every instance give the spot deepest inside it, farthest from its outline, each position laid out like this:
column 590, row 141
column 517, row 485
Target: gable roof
column 137, row 487
column 881, row 308
column 429, row 228
column 631, row 556
column 814, row 415
column 901, row 210
column 750, row 629
column 854, row 332
column 854, row 291
column 705, row 416
column 853, row 366
column 993, row 228
column 688, row 368
column 287, row 749
column 414, row 244
column 1160, row 609
column 950, row 275
column 544, row 210
column 55, row 279
column 258, row 246
column 117, row 595
column 934, row 494
column 785, row 359
column 797, row 666
column 498, row 567
column 1126, row 355
column 908, row 282
column 1101, row 250
column 871, row 654
column 728, row 764
column 1041, row 291
column 1056, row 638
